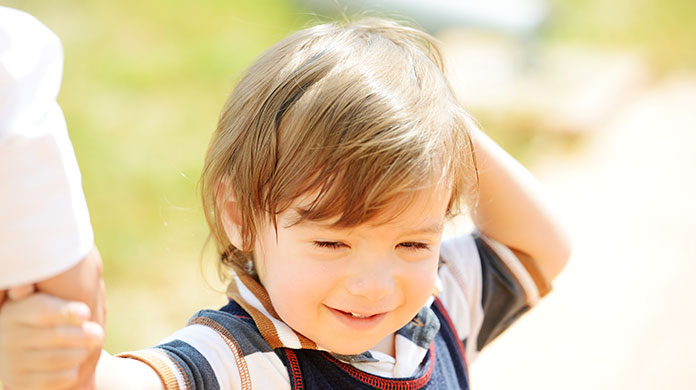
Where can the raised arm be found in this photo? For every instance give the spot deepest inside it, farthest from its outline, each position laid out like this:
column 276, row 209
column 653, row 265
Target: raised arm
column 513, row 209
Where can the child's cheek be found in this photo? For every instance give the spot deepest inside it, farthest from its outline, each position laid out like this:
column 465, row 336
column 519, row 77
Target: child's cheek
column 298, row 295
column 421, row 279
column 299, row 283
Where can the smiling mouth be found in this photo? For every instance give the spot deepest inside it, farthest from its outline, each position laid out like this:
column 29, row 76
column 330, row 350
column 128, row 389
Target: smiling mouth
column 356, row 315
column 358, row 320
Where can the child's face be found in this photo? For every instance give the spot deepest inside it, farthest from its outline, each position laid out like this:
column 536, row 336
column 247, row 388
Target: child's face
column 316, row 276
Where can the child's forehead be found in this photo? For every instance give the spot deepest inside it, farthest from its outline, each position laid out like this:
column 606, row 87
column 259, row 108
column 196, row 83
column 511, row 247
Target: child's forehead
column 425, row 208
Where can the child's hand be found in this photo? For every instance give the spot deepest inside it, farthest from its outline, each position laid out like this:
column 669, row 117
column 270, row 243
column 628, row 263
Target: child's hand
column 44, row 340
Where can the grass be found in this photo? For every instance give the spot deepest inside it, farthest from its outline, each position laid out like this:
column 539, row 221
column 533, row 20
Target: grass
column 662, row 30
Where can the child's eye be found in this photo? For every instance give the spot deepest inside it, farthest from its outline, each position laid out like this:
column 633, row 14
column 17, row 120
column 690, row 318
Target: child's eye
column 329, row 244
column 414, row 245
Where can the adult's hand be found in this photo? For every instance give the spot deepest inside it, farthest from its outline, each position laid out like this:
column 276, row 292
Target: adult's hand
column 44, row 340
column 81, row 283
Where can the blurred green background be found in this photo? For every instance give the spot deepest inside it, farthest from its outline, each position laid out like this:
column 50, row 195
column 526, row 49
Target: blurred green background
column 144, row 82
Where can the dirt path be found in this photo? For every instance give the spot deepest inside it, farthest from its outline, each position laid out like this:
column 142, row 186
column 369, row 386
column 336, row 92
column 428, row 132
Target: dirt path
column 622, row 315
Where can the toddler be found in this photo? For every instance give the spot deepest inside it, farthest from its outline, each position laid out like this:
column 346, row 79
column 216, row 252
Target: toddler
column 336, row 162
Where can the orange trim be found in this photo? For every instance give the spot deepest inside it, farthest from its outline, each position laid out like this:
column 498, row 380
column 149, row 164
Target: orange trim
column 259, row 292
column 266, row 327
column 297, row 383
column 532, row 268
column 234, row 346
column 166, row 375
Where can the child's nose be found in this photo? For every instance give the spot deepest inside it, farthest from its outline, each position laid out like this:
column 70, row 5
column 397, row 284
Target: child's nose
column 372, row 284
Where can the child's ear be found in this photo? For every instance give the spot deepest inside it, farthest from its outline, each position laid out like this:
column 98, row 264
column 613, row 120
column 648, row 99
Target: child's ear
column 229, row 215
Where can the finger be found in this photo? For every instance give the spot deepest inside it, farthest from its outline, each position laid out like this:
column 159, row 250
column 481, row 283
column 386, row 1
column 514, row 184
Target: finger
column 86, row 380
column 58, row 359
column 86, row 374
column 75, row 313
column 88, row 335
column 95, row 334
column 41, row 310
column 55, row 380
column 20, row 292
column 89, row 385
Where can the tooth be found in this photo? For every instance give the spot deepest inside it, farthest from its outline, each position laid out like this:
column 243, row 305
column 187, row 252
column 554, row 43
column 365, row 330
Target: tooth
column 358, row 315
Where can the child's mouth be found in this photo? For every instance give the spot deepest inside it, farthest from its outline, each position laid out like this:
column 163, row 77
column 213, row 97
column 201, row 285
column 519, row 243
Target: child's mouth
column 356, row 315
column 358, row 320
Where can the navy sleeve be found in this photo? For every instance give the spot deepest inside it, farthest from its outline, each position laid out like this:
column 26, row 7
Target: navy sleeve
column 502, row 298
column 196, row 369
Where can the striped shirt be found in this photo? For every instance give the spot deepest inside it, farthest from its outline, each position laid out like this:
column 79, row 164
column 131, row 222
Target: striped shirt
column 484, row 287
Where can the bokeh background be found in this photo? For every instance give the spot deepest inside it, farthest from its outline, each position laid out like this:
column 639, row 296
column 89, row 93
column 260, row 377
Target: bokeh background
column 597, row 98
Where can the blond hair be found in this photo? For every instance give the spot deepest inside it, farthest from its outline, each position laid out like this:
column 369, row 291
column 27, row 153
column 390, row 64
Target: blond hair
column 360, row 115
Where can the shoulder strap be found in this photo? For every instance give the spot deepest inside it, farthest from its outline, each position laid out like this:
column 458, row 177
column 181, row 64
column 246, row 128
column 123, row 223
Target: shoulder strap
column 441, row 312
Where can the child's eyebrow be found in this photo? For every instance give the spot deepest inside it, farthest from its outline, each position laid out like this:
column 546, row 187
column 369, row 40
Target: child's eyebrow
column 431, row 228
column 294, row 219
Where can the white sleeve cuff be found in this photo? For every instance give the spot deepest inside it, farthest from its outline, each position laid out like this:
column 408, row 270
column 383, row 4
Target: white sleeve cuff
column 44, row 223
column 45, row 227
